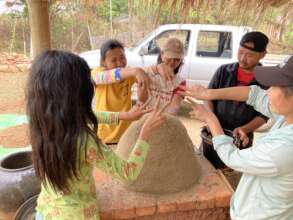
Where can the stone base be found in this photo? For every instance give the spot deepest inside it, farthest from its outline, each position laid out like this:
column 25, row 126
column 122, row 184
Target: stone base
column 207, row 200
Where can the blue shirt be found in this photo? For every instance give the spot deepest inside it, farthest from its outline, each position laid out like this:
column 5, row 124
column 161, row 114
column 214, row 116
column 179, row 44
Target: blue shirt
column 265, row 190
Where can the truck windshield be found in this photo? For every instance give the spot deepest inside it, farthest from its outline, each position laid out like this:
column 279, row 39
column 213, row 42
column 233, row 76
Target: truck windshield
column 141, row 41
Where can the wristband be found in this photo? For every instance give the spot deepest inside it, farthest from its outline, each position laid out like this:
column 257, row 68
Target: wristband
column 118, row 74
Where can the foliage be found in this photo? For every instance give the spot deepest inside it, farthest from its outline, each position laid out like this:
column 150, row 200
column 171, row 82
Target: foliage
column 119, row 8
column 76, row 23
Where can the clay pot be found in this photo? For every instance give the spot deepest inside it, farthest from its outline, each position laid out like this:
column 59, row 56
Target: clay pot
column 18, row 182
column 27, row 210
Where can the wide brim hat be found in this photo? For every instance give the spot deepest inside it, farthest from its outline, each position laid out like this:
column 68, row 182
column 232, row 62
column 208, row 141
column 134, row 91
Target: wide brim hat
column 173, row 48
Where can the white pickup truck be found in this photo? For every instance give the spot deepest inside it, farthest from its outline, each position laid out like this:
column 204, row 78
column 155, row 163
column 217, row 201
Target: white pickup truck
column 207, row 47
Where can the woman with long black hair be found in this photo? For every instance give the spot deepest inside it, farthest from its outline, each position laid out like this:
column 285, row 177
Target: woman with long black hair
column 63, row 135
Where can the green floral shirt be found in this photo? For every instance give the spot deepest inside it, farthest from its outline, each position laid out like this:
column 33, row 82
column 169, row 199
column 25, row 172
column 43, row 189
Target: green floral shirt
column 81, row 202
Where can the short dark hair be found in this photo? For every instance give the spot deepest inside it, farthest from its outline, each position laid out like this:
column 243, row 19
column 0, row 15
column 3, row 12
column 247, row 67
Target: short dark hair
column 259, row 40
column 110, row 45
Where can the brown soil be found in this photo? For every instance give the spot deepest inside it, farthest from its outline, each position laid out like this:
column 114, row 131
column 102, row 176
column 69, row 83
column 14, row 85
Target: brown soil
column 16, row 136
column 12, row 84
column 12, row 93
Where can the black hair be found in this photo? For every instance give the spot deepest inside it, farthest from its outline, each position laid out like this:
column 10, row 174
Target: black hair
column 259, row 40
column 59, row 95
column 109, row 45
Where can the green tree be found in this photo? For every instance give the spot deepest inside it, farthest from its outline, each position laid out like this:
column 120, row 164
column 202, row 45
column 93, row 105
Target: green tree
column 119, row 8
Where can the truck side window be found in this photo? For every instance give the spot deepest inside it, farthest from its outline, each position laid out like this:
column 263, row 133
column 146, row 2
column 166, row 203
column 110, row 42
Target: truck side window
column 214, row 44
column 153, row 47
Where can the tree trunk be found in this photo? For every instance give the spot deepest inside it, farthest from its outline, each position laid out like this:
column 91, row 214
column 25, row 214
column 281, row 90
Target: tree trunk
column 72, row 31
column 13, row 36
column 74, row 47
column 23, row 36
column 130, row 22
column 283, row 24
column 39, row 26
column 90, row 35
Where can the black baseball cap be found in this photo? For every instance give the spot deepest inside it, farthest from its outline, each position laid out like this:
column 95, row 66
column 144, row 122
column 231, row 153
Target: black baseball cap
column 281, row 75
column 259, row 40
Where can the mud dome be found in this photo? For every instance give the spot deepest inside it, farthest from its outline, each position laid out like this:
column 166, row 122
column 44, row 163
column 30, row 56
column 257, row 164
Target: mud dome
column 171, row 163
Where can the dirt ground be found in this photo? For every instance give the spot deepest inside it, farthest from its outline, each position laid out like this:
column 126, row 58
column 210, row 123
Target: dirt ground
column 12, row 92
column 12, row 101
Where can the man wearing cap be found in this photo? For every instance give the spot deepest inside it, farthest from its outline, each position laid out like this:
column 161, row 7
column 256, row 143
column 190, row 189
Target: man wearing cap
column 265, row 191
column 239, row 117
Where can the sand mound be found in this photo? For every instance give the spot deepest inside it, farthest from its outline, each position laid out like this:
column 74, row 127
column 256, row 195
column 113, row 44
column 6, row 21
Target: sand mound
column 171, row 164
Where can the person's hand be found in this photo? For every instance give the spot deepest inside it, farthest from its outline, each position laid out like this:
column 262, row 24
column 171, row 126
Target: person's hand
column 154, row 121
column 165, row 71
column 142, row 92
column 136, row 112
column 196, row 91
column 142, row 79
column 200, row 112
column 241, row 134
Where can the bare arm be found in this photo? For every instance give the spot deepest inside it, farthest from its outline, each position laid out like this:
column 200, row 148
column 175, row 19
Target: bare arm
column 239, row 93
column 165, row 71
column 253, row 124
column 233, row 93
column 175, row 105
column 142, row 93
column 209, row 105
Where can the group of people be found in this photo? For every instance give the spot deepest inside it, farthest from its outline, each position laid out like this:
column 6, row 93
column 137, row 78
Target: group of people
column 113, row 83
column 70, row 136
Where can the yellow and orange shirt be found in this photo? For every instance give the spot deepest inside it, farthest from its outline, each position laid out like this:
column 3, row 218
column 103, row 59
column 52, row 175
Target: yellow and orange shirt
column 115, row 97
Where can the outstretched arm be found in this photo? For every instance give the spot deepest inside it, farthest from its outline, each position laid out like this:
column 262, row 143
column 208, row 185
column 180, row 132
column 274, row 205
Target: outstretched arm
column 116, row 75
column 239, row 93
column 253, row 160
column 135, row 113
column 252, row 95
column 175, row 104
column 209, row 105
column 129, row 169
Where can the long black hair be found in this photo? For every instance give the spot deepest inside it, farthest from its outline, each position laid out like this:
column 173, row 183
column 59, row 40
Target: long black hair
column 59, row 94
